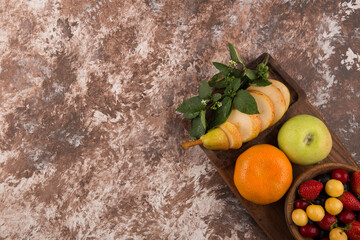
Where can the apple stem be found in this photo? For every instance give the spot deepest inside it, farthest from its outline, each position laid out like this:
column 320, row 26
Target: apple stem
column 308, row 139
column 187, row 145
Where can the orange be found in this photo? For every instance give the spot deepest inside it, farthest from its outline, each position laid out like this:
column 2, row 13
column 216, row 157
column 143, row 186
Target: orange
column 263, row 174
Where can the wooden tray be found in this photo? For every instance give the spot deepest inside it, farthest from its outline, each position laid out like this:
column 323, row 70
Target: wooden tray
column 271, row 218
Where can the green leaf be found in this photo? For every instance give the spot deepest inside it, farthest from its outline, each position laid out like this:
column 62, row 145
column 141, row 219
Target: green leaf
column 202, row 118
column 245, row 83
column 190, row 115
column 220, row 84
column 221, row 67
column 260, row 82
column 237, row 73
column 228, row 89
column 204, row 90
column 236, row 83
column 245, row 103
column 197, row 129
column 251, row 74
column 216, row 97
column 233, row 86
column 190, row 105
column 234, row 55
column 222, row 113
column 214, row 78
column 214, row 82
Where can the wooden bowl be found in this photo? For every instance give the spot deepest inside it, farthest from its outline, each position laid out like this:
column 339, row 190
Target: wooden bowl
column 307, row 175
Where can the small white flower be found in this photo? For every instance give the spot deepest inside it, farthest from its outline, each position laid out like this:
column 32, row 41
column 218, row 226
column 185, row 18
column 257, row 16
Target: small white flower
column 203, row 102
column 219, row 104
column 232, row 63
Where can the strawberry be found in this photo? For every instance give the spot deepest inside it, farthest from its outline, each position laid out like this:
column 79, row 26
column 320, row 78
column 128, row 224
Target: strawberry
column 355, row 183
column 353, row 230
column 310, row 189
column 349, row 201
column 328, row 222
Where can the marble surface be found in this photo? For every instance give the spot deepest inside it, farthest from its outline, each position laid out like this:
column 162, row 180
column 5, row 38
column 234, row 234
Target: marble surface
column 89, row 136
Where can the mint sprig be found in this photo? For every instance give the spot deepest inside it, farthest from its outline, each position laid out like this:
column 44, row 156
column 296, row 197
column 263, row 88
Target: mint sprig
column 225, row 90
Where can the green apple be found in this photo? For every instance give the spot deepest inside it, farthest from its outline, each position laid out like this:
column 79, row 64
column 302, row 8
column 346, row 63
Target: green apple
column 305, row 139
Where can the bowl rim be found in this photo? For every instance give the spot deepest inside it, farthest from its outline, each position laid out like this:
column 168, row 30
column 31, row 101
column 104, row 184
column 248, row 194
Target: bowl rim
column 307, row 175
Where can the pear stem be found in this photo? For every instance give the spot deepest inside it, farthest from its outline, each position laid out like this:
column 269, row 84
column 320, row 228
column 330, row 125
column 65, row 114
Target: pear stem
column 187, row 145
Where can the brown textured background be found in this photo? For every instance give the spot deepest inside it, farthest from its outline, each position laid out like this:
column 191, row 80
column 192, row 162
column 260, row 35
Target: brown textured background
column 89, row 137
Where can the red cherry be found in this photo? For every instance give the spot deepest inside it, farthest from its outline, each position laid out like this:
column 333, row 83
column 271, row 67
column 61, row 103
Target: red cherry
column 309, row 230
column 340, row 174
column 302, row 204
column 347, row 216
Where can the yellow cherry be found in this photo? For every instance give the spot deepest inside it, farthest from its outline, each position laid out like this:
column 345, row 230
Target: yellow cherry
column 334, row 188
column 299, row 217
column 337, row 234
column 333, row 206
column 315, row 212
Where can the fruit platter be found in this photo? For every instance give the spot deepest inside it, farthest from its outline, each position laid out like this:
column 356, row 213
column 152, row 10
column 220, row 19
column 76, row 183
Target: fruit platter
column 256, row 126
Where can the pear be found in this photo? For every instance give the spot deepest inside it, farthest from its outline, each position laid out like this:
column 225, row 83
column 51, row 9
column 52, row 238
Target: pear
column 233, row 135
column 283, row 89
column 215, row 139
column 265, row 107
column 277, row 99
column 272, row 102
column 221, row 138
column 249, row 126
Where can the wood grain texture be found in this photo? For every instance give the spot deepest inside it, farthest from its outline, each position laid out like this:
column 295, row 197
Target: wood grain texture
column 271, row 218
